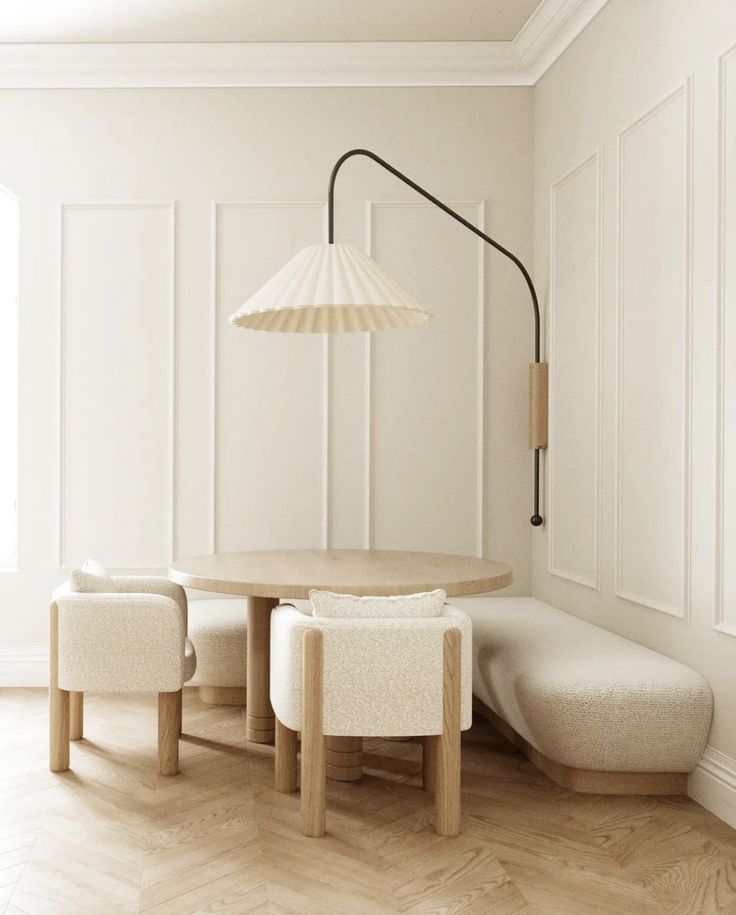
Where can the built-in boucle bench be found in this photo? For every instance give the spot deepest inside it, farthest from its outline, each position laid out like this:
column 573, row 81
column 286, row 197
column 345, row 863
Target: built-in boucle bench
column 217, row 629
column 596, row 712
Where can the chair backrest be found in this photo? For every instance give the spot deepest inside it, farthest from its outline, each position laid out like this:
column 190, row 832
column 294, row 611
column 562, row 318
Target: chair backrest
column 117, row 641
column 382, row 677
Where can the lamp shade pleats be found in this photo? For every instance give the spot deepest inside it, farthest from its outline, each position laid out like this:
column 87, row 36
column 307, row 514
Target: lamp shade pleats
column 328, row 289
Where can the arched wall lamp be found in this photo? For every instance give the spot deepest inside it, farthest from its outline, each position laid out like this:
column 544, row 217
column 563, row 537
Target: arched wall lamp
column 333, row 288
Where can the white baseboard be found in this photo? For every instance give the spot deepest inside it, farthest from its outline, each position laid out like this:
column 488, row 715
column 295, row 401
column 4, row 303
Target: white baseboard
column 24, row 665
column 713, row 785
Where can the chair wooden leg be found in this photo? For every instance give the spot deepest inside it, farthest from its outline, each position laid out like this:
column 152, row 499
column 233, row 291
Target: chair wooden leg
column 168, row 732
column 180, row 711
column 429, row 762
column 313, row 741
column 447, row 784
column 76, row 716
column 285, row 779
column 58, row 703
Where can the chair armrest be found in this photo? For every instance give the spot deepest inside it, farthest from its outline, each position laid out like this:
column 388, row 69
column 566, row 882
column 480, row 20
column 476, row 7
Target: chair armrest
column 153, row 584
column 120, row 642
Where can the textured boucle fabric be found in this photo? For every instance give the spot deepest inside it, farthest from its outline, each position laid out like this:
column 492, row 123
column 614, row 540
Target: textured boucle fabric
column 121, row 642
column 153, row 584
column 583, row 696
column 190, row 661
column 218, row 630
column 382, row 677
column 328, row 604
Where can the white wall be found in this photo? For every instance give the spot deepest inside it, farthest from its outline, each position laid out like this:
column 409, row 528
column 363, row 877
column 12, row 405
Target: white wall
column 151, row 429
column 635, row 210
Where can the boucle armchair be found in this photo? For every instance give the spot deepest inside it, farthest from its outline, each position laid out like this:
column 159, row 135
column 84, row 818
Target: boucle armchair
column 117, row 634
column 370, row 677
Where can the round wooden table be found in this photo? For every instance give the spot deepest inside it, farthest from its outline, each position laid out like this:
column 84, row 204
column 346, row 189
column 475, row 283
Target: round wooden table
column 267, row 576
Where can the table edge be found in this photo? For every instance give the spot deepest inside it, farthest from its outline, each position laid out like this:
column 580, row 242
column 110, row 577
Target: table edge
column 260, row 589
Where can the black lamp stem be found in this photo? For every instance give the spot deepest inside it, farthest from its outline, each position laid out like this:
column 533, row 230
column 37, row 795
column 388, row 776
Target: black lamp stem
column 536, row 518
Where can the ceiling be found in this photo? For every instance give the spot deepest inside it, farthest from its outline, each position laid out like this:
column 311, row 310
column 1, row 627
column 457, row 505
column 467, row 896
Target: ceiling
column 261, row 20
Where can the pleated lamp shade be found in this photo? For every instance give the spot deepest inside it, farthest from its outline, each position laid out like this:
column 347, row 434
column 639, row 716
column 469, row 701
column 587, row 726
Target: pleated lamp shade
column 328, row 289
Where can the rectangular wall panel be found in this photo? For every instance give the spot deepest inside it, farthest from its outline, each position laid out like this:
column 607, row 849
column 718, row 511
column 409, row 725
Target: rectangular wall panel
column 427, row 443
column 9, row 232
column 726, row 579
column 653, row 444
column 270, row 435
column 575, row 421
column 117, row 383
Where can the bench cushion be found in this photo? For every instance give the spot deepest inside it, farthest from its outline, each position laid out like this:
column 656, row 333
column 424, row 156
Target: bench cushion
column 583, row 696
column 217, row 627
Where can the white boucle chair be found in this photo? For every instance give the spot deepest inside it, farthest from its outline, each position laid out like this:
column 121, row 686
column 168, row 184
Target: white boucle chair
column 368, row 677
column 118, row 634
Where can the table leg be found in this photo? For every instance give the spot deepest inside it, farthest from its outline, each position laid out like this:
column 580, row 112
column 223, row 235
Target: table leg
column 344, row 758
column 259, row 720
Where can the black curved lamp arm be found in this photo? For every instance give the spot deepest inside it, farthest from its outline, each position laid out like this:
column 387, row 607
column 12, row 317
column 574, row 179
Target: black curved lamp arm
column 443, row 206
column 536, row 518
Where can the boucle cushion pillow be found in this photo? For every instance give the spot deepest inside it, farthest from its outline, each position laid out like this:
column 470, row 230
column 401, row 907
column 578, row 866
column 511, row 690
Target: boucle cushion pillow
column 91, row 578
column 331, row 605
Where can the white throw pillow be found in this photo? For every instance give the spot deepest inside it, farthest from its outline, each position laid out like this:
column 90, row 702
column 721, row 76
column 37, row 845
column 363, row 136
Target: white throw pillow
column 331, row 605
column 91, row 578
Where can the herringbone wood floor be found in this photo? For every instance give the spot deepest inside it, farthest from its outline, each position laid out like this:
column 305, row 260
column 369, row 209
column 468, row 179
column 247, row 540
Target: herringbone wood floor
column 113, row 836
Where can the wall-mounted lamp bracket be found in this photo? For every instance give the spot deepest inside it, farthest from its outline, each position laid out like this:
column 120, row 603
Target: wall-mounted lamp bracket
column 537, row 370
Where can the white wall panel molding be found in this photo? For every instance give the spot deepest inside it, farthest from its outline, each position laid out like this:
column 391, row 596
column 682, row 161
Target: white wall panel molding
column 323, row 433
column 369, row 407
column 520, row 62
column 214, row 387
column 654, row 340
column 120, row 558
column 574, row 539
column 481, row 460
column 327, row 430
column 725, row 448
column 482, row 386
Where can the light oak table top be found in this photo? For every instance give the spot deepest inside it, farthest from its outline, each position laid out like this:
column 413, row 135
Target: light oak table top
column 293, row 573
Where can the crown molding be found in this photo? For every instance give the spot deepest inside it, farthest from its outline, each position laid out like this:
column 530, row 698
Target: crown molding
column 550, row 30
column 259, row 65
column 553, row 26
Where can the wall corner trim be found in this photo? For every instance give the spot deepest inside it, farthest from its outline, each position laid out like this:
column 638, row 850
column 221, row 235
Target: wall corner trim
column 550, row 30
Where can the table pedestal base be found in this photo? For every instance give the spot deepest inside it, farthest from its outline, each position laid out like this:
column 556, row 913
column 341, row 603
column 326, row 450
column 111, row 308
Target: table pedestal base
column 260, row 725
column 260, row 730
column 344, row 758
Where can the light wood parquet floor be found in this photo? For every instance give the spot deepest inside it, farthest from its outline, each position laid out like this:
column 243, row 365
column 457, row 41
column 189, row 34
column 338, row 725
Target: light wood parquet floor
column 112, row 836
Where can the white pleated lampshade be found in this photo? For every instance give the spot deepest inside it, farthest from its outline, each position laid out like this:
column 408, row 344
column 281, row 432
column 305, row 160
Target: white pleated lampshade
column 327, row 289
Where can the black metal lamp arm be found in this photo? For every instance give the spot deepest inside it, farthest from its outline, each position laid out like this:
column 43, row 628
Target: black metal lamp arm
column 536, row 518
